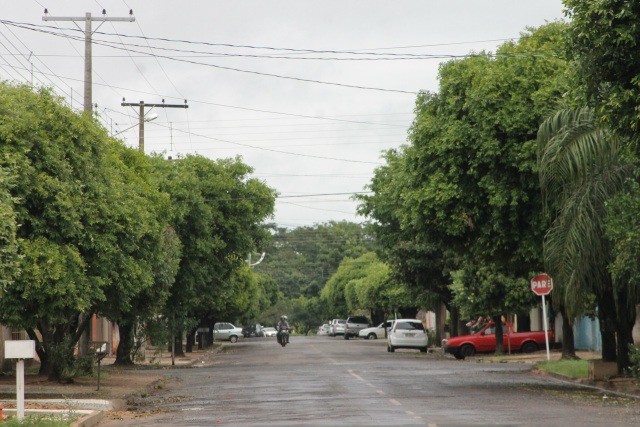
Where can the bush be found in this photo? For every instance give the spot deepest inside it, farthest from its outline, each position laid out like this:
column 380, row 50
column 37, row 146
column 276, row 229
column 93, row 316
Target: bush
column 38, row 421
column 634, row 358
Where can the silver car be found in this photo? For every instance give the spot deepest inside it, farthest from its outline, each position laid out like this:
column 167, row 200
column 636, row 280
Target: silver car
column 337, row 327
column 226, row 331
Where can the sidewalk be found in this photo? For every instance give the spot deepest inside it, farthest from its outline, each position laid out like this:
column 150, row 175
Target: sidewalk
column 83, row 399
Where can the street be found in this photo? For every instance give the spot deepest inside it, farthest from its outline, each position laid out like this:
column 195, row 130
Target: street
column 324, row 381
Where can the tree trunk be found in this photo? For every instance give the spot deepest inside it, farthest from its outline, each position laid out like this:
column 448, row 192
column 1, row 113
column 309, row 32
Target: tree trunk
column 191, row 340
column 497, row 319
column 607, row 316
column 178, row 344
column 40, row 350
column 625, row 320
column 454, row 321
column 125, row 347
column 568, row 341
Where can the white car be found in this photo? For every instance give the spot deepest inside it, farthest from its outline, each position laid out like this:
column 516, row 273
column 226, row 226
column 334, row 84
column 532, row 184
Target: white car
column 226, row 331
column 407, row 333
column 269, row 332
column 323, row 330
column 375, row 332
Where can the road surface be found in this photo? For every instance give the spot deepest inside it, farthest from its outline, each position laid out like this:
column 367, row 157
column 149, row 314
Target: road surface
column 324, row 381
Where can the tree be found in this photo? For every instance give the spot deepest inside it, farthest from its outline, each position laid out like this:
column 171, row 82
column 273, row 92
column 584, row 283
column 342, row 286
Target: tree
column 603, row 42
column 464, row 194
column 582, row 168
column 414, row 261
column 78, row 225
column 217, row 214
column 302, row 260
column 8, row 241
column 364, row 284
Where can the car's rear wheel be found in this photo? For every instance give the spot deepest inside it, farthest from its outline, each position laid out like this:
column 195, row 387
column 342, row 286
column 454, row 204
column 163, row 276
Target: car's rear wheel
column 372, row 336
column 233, row 338
column 529, row 347
column 423, row 349
column 346, row 336
column 390, row 348
column 467, row 350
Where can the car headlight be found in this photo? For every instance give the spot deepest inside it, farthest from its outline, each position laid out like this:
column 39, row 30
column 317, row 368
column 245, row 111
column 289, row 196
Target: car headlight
column 445, row 342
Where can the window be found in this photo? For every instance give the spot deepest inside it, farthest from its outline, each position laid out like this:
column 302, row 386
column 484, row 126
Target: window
column 416, row 326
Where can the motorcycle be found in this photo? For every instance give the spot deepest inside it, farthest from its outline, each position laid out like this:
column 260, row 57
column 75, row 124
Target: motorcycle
column 284, row 337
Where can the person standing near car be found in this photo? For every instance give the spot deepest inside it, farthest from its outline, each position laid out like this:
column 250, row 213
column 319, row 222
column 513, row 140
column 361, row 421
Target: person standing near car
column 282, row 325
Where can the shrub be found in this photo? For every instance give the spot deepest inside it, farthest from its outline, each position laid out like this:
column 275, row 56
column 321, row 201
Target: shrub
column 634, row 358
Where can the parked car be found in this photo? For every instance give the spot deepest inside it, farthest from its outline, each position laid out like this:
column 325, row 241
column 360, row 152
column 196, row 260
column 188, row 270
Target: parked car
column 375, row 332
column 226, row 331
column 269, row 332
column 323, row 330
column 484, row 341
column 353, row 325
column 407, row 333
column 254, row 329
column 337, row 327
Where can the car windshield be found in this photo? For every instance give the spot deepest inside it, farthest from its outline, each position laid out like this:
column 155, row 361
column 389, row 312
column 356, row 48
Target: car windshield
column 416, row 326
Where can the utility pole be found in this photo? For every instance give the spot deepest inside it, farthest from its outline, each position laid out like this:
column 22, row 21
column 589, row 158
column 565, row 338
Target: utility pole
column 141, row 115
column 88, row 19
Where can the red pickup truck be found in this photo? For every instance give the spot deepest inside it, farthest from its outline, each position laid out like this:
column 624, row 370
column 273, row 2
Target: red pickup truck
column 484, row 341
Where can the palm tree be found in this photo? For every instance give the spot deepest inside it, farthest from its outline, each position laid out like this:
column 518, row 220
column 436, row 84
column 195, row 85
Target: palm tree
column 581, row 167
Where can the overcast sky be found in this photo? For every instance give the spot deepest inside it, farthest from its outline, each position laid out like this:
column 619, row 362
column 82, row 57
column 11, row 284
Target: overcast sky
column 308, row 93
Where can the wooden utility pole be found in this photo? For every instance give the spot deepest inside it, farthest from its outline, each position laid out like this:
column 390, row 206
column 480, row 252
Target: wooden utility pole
column 141, row 115
column 88, row 19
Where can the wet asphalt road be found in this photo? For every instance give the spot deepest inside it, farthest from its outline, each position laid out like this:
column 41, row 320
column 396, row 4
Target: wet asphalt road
column 324, row 381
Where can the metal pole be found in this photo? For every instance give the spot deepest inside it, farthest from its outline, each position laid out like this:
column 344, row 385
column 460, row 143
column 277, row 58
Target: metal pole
column 544, row 323
column 20, row 388
column 141, row 128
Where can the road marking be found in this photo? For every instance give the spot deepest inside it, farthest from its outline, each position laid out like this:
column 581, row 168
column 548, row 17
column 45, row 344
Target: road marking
column 381, row 393
column 395, row 402
column 356, row 376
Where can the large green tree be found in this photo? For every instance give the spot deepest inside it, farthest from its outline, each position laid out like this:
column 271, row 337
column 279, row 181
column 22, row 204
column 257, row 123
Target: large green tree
column 82, row 227
column 465, row 191
column 217, row 212
column 582, row 168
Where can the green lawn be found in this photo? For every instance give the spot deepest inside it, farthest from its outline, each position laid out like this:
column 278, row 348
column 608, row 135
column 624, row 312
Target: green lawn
column 568, row 368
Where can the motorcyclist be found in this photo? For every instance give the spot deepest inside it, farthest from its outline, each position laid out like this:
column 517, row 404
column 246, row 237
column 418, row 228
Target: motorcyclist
column 282, row 325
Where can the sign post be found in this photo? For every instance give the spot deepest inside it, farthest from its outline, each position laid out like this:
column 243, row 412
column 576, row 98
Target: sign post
column 542, row 285
column 23, row 349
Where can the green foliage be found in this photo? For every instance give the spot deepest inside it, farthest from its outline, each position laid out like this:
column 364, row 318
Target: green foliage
column 622, row 227
column 302, row 260
column 603, row 42
column 40, row 421
column 465, row 191
column 363, row 284
column 634, row 359
column 582, row 168
column 216, row 214
column 482, row 291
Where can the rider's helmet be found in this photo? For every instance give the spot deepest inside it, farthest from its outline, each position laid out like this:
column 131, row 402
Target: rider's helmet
column 283, row 317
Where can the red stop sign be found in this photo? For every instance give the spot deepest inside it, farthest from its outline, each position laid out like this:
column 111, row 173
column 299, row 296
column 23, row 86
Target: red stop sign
column 542, row 284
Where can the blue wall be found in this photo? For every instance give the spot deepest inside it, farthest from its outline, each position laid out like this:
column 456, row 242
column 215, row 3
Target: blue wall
column 586, row 333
